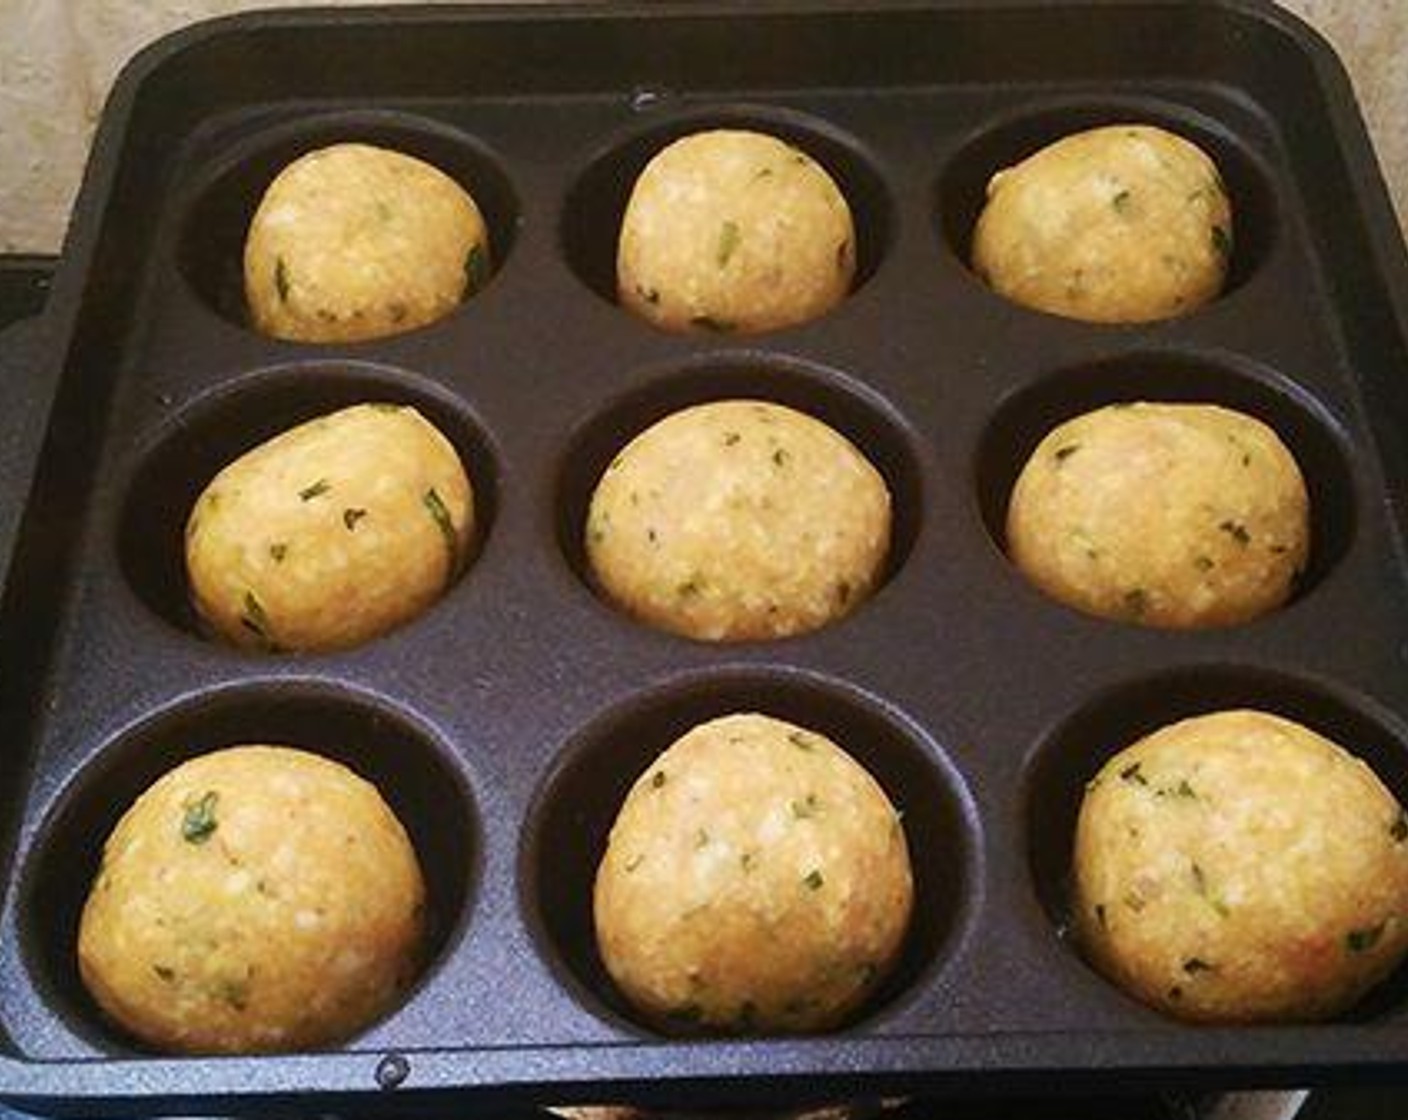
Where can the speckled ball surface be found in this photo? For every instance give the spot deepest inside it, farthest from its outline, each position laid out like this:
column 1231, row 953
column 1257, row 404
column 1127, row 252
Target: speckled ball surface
column 734, row 231
column 738, row 520
column 253, row 899
column 1122, row 224
column 1167, row 515
column 1238, row 867
column 355, row 242
column 757, row 879
column 330, row 534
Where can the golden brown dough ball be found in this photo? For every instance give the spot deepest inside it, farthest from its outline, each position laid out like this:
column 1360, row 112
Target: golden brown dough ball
column 354, row 242
column 1170, row 515
column 734, row 231
column 1238, row 867
column 756, row 879
column 1122, row 224
column 254, row 899
column 737, row 520
column 331, row 533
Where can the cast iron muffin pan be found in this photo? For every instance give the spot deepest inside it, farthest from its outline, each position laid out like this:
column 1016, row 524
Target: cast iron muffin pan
column 506, row 724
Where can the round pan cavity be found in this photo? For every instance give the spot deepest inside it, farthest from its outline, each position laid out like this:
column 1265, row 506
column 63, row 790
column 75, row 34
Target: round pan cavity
column 214, row 431
column 1313, row 436
column 596, row 200
column 576, row 806
column 961, row 189
column 867, row 421
column 1053, row 781
column 404, row 761
column 219, row 206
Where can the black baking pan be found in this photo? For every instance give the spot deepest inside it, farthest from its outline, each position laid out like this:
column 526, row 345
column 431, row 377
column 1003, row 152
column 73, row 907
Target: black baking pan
column 506, row 724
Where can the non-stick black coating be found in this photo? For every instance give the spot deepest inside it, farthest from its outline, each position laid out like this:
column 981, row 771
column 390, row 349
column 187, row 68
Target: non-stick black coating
column 506, row 723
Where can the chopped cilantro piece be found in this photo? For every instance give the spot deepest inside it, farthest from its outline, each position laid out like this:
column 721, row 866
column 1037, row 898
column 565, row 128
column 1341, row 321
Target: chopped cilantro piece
column 277, row 551
column 814, row 880
column 711, row 323
column 1064, row 453
column 729, row 238
column 198, row 823
column 441, row 516
column 281, row 281
column 1362, row 940
column 1221, row 242
column 350, row 517
column 658, row 780
column 1132, row 773
column 1237, row 531
column 308, row 493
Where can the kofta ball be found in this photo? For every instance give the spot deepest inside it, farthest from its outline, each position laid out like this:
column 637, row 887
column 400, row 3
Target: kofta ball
column 331, row 533
column 736, row 520
column 757, row 879
column 734, row 231
column 354, row 242
column 1123, row 224
column 1238, row 867
column 1167, row 515
column 255, row 899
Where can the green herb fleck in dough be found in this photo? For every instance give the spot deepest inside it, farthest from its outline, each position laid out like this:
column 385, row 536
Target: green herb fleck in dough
column 441, row 516
column 350, row 517
column 1237, row 531
column 1204, row 564
column 1136, row 602
column 650, row 295
column 1064, row 453
column 728, row 242
column 779, row 457
column 1201, row 887
column 1362, row 940
column 1194, row 965
column 701, row 839
column 730, row 438
column 814, row 880
column 688, row 588
column 801, row 740
column 1100, row 915
column 658, row 780
column 807, row 808
column 710, row 323
column 235, row 993
column 398, row 310
column 1221, row 242
column 843, row 592
column 748, row 861
column 1121, row 203
column 164, row 972
column 198, row 823
column 277, row 551
column 281, row 282
column 308, row 493
column 762, row 173
column 256, row 621
column 1183, row 789
column 1399, row 829
column 634, row 863
column 1132, row 773
column 476, row 269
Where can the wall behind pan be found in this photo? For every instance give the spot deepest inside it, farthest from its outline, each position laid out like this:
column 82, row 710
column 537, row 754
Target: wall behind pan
column 58, row 57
